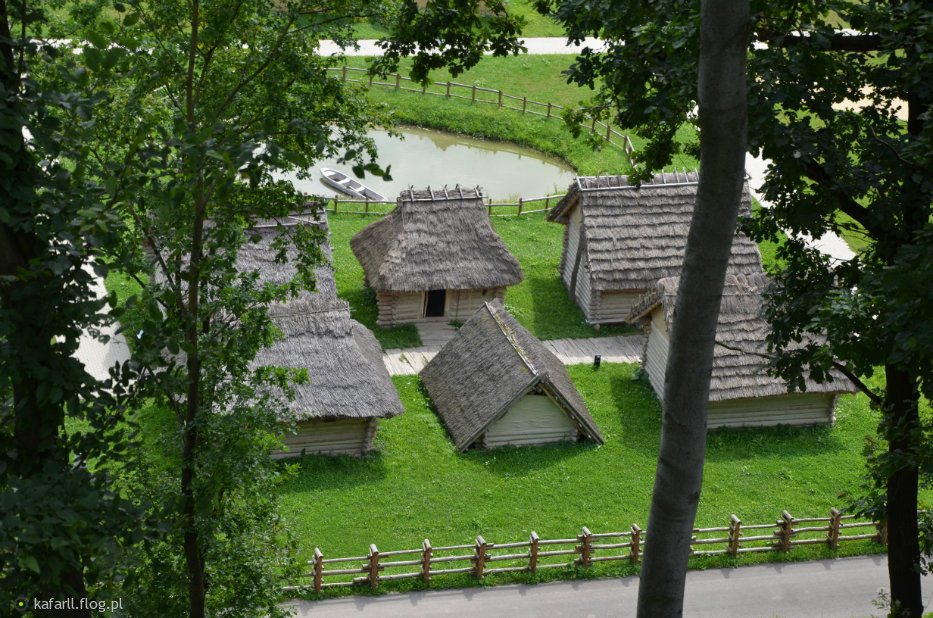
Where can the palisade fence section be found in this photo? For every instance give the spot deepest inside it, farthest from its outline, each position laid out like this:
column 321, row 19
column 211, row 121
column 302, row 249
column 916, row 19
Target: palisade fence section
column 495, row 209
column 476, row 94
column 481, row 557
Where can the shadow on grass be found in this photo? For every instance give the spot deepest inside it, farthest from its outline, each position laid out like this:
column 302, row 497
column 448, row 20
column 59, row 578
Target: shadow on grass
column 323, row 472
column 737, row 444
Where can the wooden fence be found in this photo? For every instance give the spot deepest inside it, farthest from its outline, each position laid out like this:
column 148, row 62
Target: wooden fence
column 481, row 558
column 495, row 209
column 477, row 94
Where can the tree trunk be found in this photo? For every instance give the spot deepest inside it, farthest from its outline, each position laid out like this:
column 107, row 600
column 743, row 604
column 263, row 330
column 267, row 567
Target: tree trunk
column 903, row 430
column 724, row 27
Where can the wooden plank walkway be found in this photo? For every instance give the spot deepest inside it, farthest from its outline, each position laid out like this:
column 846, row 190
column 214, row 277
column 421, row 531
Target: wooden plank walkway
column 410, row 361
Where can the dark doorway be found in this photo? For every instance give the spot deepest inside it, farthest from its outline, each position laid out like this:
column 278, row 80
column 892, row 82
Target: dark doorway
column 434, row 304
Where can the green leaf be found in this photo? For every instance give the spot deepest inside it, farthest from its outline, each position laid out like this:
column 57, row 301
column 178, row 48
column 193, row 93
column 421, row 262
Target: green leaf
column 131, row 20
column 97, row 40
column 30, row 563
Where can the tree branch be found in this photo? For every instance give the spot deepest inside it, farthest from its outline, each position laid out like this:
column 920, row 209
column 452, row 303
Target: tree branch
column 838, row 42
column 845, row 203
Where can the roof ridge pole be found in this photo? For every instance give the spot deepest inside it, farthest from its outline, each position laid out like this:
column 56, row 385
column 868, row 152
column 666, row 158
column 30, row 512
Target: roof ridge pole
column 511, row 338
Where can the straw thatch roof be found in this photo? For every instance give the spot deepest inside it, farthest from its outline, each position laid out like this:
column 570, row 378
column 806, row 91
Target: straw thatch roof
column 435, row 240
column 261, row 256
column 346, row 376
column 739, row 369
column 635, row 236
column 490, row 364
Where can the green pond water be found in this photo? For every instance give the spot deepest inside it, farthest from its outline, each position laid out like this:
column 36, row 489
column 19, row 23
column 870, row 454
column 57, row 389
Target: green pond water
column 434, row 158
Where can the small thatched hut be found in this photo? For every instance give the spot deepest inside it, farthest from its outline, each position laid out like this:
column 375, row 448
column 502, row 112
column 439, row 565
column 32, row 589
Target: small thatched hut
column 348, row 390
column 620, row 239
column 258, row 254
column 741, row 392
column 434, row 256
column 495, row 384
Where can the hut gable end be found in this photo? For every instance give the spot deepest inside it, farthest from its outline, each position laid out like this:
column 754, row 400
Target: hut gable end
column 489, row 366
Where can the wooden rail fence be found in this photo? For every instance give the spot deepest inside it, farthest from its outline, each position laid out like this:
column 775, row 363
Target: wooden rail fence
column 481, row 558
column 370, row 207
column 495, row 97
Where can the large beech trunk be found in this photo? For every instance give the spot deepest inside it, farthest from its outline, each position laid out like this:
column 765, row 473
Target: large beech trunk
column 723, row 125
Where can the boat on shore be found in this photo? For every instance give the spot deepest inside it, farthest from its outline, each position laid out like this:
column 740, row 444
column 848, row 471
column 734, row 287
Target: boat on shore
column 345, row 184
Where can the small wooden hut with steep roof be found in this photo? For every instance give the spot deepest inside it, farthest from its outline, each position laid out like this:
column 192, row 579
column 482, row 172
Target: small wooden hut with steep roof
column 434, row 256
column 495, row 384
column 620, row 239
column 258, row 254
column 741, row 392
column 348, row 388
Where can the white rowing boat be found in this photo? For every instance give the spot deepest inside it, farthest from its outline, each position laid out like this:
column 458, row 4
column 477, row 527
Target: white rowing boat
column 344, row 183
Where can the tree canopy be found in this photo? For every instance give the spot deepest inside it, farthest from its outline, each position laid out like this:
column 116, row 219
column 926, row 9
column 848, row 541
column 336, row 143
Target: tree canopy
column 839, row 102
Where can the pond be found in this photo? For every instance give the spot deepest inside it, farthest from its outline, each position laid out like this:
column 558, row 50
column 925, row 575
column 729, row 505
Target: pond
column 434, row 158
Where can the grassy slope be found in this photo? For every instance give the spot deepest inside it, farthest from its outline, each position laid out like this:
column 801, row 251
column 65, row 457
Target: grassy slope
column 417, row 486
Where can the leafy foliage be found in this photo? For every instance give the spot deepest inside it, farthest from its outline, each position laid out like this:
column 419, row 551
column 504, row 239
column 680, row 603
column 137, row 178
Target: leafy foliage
column 62, row 523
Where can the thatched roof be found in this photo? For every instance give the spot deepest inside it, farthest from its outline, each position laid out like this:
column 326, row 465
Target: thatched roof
column 739, row 369
column 347, row 378
column 635, row 236
column 260, row 256
column 489, row 364
column 435, row 240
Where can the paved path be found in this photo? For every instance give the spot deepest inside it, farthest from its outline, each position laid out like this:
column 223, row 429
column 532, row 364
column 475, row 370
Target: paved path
column 99, row 357
column 844, row 587
column 541, row 45
column 410, row 361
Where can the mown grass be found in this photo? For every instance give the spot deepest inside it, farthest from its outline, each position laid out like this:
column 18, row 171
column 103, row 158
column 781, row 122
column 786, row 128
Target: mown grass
column 538, row 78
column 540, row 302
column 416, row 485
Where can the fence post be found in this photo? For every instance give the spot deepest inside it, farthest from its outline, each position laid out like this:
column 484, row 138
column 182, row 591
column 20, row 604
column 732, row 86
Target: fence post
column 593, row 125
column 786, row 530
column 500, row 98
column 474, row 94
column 524, row 104
column 426, row 561
column 318, row 570
column 398, row 80
column 448, row 90
column 371, row 79
column 489, row 208
column 835, row 520
column 608, row 131
column 586, row 540
column 547, row 205
column 635, row 544
column 520, row 201
column 548, row 110
column 373, row 566
column 367, row 206
column 735, row 525
column 480, row 558
column 882, row 536
column 336, row 199
column 533, row 557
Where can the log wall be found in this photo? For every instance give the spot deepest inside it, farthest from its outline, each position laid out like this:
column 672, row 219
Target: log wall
column 338, row 437
column 533, row 419
column 396, row 308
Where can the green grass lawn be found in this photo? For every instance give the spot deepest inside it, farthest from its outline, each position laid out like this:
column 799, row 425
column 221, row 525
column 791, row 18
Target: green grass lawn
column 540, row 302
column 416, row 485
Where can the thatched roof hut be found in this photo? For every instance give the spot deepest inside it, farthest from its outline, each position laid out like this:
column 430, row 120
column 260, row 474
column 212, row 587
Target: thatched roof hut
column 260, row 255
column 349, row 388
column 741, row 392
column 620, row 239
column 434, row 255
column 495, row 384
